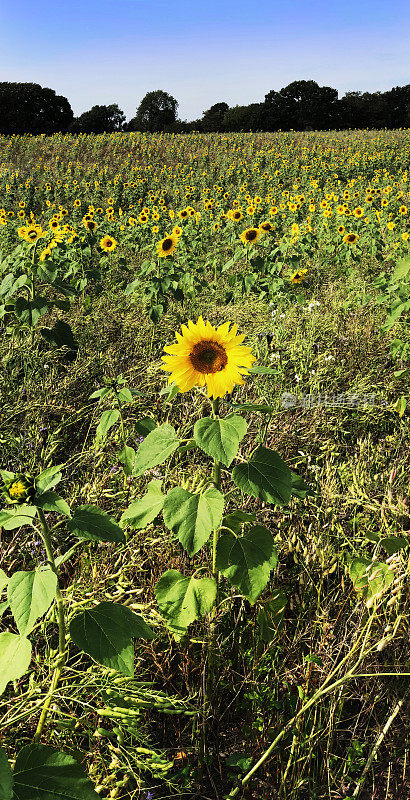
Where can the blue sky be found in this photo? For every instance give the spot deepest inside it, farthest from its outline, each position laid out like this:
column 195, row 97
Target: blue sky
column 114, row 51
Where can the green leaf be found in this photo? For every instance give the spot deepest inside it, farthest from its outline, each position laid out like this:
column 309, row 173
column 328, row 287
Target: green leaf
column 60, row 334
column 30, row 594
column 370, row 578
column 193, row 516
column 48, row 479
column 270, row 616
column 43, row 773
column 170, row 391
column 127, row 457
column 262, row 371
column 299, row 488
column 401, row 270
column 155, row 313
column 235, row 520
column 143, row 511
column 156, row 448
column 265, row 476
column 182, row 600
column 392, row 544
column 15, row 655
column 220, row 438
column 12, row 518
column 105, row 632
column 124, row 395
column 144, row 426
column 6, row 475
column 247, row 560
column 108, row 419
column 90, row 522
column 51, row 501
column 3, row 580
column 6, row 777
column 99, row 393
column 30, row 311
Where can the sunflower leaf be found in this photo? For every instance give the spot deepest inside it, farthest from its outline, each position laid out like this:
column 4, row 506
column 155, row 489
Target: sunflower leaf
column 30, row 594
column 193, row 516
column 15, row 655
column 43, row 773
column 156, row 448
column 265, row 476
column 182, row 600
column 106, row 631
column 144, row 510
column 91, row 522
column 247, row 560
column 220, row 438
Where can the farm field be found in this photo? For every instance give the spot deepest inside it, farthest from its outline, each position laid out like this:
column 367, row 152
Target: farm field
column 204, row 551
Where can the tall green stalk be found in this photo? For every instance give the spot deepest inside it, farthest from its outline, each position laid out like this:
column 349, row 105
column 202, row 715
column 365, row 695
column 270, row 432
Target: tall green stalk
column 46, row 537
column 211, row 648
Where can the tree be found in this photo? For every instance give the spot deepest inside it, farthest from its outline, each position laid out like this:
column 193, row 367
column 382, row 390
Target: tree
column 30, row 108
column 245, row 118
column 278, row 113
column 311, row 106
column 156, row 112
column 213, row 118
column 99, row 119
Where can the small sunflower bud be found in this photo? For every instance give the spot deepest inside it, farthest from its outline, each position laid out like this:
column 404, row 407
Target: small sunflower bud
column 19, row 489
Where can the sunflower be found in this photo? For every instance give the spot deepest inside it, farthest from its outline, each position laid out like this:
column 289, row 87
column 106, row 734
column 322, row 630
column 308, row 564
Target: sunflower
column 108, row 244
column 298, row 276
column 358, row 212
column 250, row 235
column 90, row 225
column 350, row 238
column 265, row 226
column 167, row 245
column 33, row 232
column 18, row 489
column 209, row 356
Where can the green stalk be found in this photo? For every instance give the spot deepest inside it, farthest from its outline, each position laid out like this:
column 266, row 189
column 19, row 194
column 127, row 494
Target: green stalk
column 210, row 667
column 323, row 690
column 45, row 535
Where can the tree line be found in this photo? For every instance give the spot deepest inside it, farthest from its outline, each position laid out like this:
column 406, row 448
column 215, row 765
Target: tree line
column 302, row 106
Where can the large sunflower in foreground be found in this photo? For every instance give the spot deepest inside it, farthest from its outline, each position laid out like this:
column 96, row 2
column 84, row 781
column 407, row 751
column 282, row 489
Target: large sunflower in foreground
column 167, row 246
column 209, row 356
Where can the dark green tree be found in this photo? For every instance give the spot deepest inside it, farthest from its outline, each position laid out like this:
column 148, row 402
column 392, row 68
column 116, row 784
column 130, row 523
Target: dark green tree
column 213, row 118
column 245, row 118
column 30, row 108
column 310, row 106
column 157, row 111
column 99, row 119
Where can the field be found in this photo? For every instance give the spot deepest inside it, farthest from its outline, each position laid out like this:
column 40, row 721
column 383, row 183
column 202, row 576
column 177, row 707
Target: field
column 197, row 581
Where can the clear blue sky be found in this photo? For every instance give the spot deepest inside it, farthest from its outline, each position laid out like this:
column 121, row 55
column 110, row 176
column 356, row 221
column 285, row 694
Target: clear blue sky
column 114, row 51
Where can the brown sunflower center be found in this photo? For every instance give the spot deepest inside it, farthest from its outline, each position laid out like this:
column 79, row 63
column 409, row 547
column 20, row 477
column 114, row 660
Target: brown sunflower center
column 167, row 244
column 251, row 235
column 208, row 357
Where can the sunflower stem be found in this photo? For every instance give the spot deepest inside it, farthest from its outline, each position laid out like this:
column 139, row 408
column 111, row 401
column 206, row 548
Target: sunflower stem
column 211, row 654
column 46, row 537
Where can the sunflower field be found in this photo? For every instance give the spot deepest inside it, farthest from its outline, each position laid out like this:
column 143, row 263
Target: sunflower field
column 204, row 472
